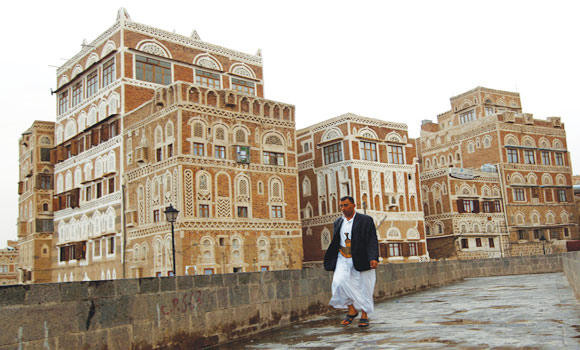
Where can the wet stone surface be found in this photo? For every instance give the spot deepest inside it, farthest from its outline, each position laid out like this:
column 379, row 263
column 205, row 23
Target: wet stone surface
column 506, row 312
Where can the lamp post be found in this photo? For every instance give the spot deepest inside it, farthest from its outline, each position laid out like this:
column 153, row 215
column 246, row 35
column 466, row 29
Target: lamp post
column 543, row 240
column 365, row 207
column 171, row 216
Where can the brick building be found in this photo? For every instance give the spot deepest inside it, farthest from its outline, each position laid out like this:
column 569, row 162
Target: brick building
column 487, row 128
column 142, row 116
column 35, row 212
column 374, row 162
column 464, row 214
column 8, row 264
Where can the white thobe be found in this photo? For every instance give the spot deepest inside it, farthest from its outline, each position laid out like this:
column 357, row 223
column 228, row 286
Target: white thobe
column 349, row 286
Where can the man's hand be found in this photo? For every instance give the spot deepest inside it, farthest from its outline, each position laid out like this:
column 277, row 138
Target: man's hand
column 374, row 264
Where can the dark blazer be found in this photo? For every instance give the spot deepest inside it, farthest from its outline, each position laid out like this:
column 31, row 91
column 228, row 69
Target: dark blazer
column 364, row 243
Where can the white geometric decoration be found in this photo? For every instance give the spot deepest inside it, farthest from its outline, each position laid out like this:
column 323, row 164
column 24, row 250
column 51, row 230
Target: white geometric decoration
column 207, row 63
column 153, row 49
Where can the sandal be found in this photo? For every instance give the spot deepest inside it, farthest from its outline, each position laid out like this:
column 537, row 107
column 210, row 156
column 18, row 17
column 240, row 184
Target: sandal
column 363, row 322
column 348, row 319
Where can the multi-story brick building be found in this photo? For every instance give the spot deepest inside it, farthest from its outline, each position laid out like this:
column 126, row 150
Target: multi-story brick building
column 374, row 162
column 486, row 126
column 35, row 189
column 176, row 135
column 8, row 264
column 464, row 214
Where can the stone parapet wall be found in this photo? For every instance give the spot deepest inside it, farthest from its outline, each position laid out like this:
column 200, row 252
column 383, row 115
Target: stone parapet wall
column 571, row 265
column 193, row 311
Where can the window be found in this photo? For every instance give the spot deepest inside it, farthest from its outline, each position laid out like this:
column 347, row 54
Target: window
column 243, row 154
column 108, row 72
column 394, row 249
column 198, row 149
column 489, row 111
column 237, row 269
column 487, row 207
column 306, row 147
column 478, row 242
column 63, row 102
column 512, row 155
column 156, row 215
column 536, row 234
column 207, row 79
column 208, row 271
column 111, row 185
column 548, row 195
column 561, row 195
column 413, row 249
column 272, row 158
column 559, row 158
column 467, row 117
column 519, row 195
column 497, row 206
column 97, row 248
column 368, row 151
column 204, row 211
column 159, row 154
column 566, row 232
column 554, row 234
column 88, row 193
column 545, row 158
column 111, row 247
column 220, row 152
column 464, row 243
column 276, row 211
column 491, row 242
column 333, row 153
column 45, row 154
column 45, row 181
column 535, row 192
column 244, row 86
column 264, row 268
column 44, row 225
column 99, row 190
column 155, row 71
column 529, row 157
column 77, row 93
column 521, row 235
column 468, row 205
column 170, row 150
column 242, row 212
column 92, row 83
column 396, row 154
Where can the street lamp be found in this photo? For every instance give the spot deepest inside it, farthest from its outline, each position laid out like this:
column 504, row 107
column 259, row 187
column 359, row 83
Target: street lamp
column 171, row 215
column 543, row 240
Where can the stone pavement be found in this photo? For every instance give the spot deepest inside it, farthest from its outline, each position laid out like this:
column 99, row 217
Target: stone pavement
column 506, row 312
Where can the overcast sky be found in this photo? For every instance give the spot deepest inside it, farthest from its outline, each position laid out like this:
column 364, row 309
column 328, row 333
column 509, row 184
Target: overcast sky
column 392, row 60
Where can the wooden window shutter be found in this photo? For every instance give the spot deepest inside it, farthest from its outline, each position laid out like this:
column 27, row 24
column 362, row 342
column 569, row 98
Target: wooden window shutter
column 384, row 250
column 53, row 156
column 78, row 251
column 75, row 198
column 420, row 248
column 60, row 154
column 460, row 208
column 406, row 250
column 94, row 137
column 476, row 206
column 55, row 205
column 20, row 187
column 74, row 147
column 104, row 132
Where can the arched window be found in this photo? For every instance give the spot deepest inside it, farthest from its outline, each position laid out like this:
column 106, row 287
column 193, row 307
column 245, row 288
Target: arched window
column 325, row 239
column 306, row 187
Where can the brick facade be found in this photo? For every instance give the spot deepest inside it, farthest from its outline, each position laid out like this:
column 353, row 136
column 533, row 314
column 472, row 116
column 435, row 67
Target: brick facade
column 374, row 162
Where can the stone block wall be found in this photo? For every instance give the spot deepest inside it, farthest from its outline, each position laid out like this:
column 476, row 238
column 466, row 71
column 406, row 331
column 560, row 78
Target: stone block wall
column 571, row 265
column 193, row 311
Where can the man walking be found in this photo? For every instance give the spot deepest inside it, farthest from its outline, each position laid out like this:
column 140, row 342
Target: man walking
column 353, row 255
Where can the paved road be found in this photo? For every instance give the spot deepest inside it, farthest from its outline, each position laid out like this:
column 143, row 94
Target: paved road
column 507, row 312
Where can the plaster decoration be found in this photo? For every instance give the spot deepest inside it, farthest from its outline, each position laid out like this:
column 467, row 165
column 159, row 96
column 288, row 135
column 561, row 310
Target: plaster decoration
column 113, row 103
column 59, row 131
column 153, row 48
column 76, row 71
column 332, row 183
column 102, row 110
column 376, row 179
column 93, row 58
column 332, row 134
column 550, row 217
column 78, row 177
column 528, row 141
column 389, row 185
column 321, row 184
column 108, row 48
column 276, row 190
column 557, row 144
column 92, row 116
column 306, row 187
column 82, row 121
column 207, row 61
column 532, row 179
column 412, row 233
column 544, row 143
column 368, row 133
column 223, row 207
column 140, row 205
column 517, row 179
column 70, row 129
column 188, row 184
column 242, row 70
column 63, row 80
column 564, row 217
column 394, row 137
column 394, row 233
column 325, row 239
column 123, row 15
column 560, row 179
column 195, row 36
column 400, row 182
